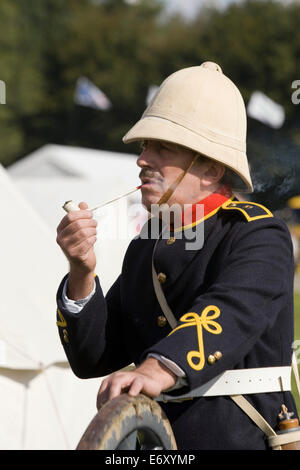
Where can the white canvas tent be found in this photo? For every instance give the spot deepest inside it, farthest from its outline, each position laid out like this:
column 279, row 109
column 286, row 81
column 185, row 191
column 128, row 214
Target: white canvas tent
column 43, row 405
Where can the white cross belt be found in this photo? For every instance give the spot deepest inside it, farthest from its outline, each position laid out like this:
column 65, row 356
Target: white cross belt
column 240, row 382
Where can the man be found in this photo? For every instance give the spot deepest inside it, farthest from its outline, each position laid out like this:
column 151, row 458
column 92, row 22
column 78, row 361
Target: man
column 232, row 296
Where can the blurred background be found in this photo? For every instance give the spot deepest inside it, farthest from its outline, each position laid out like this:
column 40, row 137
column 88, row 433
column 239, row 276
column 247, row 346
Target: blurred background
column 78, row 74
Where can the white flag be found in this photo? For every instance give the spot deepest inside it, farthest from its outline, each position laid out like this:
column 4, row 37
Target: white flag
column 87, row 94
column 151, row 92
column 262, row 108
column 2, row 92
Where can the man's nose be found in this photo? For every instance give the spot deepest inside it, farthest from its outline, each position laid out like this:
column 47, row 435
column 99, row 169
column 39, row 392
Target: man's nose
column 145, row 159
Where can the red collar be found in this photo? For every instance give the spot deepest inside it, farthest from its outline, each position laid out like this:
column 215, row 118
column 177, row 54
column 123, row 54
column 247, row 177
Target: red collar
column 211, row 205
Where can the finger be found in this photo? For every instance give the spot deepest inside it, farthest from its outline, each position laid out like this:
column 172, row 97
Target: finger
column 115, row 389
column 80, row 250
column 73, row 228
column 136, row 387
column 107, row 394
column 83, row 205
column 78, row 237
column 119, row 383
column 72, row 216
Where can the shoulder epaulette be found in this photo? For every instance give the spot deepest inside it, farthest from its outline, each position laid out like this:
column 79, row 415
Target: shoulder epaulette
column 250, row 210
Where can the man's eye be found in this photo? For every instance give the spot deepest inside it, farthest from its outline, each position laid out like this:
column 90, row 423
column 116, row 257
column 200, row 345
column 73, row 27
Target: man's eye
column 165, row 146
column 143, row 145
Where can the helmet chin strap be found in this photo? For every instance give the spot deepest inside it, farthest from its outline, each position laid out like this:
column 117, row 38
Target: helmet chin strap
column 166, row 196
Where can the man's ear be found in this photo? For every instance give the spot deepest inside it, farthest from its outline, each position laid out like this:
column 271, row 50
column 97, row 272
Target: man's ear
column 213, row 172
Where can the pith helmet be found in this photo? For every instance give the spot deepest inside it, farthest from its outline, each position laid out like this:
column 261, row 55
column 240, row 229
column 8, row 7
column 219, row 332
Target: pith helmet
column 201, row 109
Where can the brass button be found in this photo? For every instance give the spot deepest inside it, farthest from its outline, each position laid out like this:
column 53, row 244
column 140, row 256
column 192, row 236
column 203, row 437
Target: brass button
column 232, row 204
column 170, row 241
column 66, row 337
column 162, row 278
column 248, row 207
column 218, row 355
column 211, row 359
column 161, row 321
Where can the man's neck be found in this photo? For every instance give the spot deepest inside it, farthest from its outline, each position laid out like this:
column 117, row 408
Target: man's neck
column 184, row 214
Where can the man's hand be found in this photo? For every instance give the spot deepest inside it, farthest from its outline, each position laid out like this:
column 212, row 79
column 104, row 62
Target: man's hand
column 76, row 235
column 150, row 378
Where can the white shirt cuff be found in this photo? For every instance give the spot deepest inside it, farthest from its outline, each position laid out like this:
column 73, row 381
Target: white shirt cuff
column 75, row 306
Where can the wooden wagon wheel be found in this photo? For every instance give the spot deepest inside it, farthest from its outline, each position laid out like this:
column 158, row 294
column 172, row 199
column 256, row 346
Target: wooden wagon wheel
column 129, row 423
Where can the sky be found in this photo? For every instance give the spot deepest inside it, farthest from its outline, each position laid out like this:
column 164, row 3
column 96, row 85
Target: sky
column 189, row 7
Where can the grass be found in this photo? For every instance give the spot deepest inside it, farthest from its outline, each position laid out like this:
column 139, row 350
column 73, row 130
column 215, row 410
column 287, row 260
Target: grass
column 297, row 337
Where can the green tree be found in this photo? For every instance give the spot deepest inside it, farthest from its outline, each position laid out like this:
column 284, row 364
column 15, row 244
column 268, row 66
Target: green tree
column 25, row 41
column 111, row 44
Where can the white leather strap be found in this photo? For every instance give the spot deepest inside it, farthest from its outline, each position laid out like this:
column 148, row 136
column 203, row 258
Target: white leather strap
column 296, row 372
column 253, row 414
column 240, row 381
column 281, row 439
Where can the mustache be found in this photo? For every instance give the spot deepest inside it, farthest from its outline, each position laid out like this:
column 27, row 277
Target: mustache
column 148, row 173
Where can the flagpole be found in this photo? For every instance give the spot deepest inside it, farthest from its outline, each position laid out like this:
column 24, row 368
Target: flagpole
column 73, row 124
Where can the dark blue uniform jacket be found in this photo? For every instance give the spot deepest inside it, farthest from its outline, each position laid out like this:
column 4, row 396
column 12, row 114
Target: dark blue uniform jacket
column 240, row 286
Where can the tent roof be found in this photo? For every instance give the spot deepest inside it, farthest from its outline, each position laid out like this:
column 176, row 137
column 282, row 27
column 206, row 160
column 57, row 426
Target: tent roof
column 57, row 160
